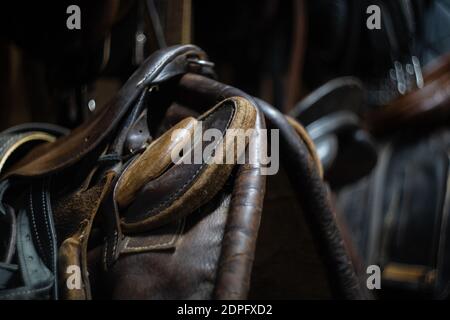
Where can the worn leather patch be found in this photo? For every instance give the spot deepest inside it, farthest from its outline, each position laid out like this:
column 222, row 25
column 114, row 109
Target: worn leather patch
column 73, row 208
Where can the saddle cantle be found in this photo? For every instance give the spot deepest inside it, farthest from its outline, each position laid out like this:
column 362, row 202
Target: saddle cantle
column 137, row 225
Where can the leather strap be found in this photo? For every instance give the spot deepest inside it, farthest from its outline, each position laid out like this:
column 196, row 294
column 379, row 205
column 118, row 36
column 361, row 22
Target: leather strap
column 49, row 128
column 37, row 274
column 10, row 142
column 43, row 229
column 7, row 218
column 69, row 150
column 38, row 279
column 7, row 271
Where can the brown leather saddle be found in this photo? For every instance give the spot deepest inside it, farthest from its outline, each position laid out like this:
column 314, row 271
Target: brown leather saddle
column 110, row 214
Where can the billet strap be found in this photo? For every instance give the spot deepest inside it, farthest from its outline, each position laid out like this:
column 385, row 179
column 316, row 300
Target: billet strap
column 38, row 279
column 36, row 265
column 39, row 210
column 11, row 141
column 8, row 218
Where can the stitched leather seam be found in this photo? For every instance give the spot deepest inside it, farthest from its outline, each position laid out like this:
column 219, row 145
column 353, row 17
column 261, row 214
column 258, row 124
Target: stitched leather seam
column 115, row 243
column 159, row 245
column 47, row 225
column 34, row 221
column 12, row 294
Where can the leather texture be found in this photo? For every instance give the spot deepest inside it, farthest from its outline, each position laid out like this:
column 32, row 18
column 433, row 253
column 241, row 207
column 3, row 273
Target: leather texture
column 140, row 227
column 30, row 247
column 160, row 66
column 305, row 179
column 37, row 278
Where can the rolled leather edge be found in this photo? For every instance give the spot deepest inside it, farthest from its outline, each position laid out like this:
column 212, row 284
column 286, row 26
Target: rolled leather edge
column 303, row 134
column 241, row 230
column 315, row 199
column 153, row 161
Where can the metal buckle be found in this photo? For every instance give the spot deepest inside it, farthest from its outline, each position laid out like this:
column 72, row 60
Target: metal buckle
column 408, row 76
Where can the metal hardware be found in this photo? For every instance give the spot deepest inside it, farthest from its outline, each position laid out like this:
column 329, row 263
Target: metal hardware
column 200, row 62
